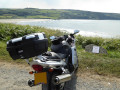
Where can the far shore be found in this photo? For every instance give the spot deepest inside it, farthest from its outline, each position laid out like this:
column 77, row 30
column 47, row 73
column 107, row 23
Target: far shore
column 20, row 20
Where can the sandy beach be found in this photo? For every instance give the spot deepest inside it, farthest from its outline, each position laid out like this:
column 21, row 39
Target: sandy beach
column 20, row 20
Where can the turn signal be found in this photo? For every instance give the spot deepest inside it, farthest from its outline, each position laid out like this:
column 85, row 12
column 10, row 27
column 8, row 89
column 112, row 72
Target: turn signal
column 31, row 72
column 51, row 70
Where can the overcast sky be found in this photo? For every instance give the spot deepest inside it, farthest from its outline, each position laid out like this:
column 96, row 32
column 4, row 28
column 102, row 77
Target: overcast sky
column 89, row 5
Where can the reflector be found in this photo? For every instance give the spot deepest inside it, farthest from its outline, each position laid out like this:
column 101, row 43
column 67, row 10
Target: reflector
column 38, row 68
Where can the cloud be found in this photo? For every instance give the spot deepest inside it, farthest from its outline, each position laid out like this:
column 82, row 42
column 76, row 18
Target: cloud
column 9, row 3
column 90, row 5
column 23, row 4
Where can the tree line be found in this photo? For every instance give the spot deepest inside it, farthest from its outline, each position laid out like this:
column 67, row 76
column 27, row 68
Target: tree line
column 34, row 13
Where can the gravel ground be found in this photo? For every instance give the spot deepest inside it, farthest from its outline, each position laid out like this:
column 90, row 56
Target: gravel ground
column 15, row 77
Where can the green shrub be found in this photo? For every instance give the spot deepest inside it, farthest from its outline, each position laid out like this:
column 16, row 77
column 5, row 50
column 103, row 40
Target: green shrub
column 107, row 43
column 87, row 42
column 10, row 31
column 112, row 44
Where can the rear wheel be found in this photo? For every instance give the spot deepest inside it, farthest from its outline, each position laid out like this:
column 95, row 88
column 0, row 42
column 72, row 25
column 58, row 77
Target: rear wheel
column 71, row 85
column 50, row 85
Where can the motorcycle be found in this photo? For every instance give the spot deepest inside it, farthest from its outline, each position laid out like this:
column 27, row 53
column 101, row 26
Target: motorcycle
column 53, row 69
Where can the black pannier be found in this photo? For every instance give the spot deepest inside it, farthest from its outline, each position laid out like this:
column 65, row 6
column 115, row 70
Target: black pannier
column 27, row 46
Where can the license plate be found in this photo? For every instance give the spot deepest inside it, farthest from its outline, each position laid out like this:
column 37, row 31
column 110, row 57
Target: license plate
column 40, row 78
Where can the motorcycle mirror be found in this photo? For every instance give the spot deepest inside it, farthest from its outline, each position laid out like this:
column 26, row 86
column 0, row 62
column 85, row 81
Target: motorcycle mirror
column 76, row 31
column 52, row 37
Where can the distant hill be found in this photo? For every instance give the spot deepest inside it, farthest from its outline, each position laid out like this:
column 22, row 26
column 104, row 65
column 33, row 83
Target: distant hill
column 34, row 13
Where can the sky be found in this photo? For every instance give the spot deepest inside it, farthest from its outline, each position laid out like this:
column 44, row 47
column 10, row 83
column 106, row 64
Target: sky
column 111, row 6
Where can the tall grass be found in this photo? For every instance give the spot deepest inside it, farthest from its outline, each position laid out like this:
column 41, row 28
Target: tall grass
column 9, row 31
column 107, row 43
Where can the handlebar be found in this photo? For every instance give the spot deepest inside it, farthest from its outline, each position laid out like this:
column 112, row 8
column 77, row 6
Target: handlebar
column 69, row 38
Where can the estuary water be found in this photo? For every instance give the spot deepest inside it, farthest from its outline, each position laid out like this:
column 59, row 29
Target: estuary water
column 101, row 28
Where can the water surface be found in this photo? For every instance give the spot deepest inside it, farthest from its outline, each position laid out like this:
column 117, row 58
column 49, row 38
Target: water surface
column 102, row 28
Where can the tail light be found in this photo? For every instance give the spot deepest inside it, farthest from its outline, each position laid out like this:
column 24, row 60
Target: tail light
column 38, row 68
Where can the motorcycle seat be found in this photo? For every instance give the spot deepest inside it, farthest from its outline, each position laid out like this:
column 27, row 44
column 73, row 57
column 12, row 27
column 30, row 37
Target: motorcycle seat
column 53, row 55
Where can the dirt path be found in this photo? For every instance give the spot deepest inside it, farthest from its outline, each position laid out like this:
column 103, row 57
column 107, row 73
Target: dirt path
column 15, row 77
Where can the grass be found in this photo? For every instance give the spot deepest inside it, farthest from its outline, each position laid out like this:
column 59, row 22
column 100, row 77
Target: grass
column 3, row 53
column 98, row 63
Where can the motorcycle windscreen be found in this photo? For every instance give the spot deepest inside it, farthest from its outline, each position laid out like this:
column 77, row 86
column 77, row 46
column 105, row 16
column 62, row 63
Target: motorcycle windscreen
column 40, row 78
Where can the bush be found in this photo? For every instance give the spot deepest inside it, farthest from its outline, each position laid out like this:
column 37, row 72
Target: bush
column 87, row 42
column 107, row 43
column 112, row 44
column 10, row 31
column 83, row 41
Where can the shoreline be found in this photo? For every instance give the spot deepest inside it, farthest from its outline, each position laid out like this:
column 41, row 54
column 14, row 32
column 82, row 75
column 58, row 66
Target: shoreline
column 20, row 20
column 82, row 32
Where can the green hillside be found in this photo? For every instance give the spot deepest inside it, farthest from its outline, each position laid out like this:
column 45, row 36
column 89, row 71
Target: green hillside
column 34, row 13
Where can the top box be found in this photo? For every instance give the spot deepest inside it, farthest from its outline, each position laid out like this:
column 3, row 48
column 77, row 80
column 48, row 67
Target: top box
column 27, row 46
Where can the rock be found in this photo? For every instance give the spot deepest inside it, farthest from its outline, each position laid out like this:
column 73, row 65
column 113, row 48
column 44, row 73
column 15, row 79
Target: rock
column 95, row 49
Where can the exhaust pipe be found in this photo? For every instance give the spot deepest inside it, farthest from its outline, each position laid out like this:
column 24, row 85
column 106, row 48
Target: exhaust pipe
column 61, row 78
column 31, row 83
